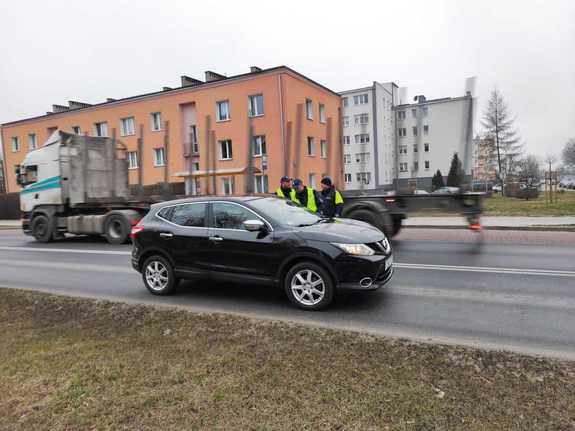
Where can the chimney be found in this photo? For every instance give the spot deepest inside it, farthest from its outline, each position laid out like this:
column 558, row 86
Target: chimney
column 213, row 76
column 255, row 69
column 77, row 105
column 166, row 88
column 109, row 99
column 189, row 82
column 60, row 108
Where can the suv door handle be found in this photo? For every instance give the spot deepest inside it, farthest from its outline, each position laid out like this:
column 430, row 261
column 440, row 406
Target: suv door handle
column 166, row 235
column 216, row 238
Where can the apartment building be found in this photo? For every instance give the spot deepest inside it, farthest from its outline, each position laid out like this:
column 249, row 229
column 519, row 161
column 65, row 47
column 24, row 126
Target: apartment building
column 202, row 137
column 2, row 184
column 368, row 136
column 429, row 132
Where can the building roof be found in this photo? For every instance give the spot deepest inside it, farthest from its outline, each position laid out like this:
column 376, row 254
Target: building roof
column 433, row 101
column 167, row 90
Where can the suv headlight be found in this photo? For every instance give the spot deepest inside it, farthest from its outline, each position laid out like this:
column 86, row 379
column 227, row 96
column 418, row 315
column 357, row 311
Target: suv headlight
column 355, row 249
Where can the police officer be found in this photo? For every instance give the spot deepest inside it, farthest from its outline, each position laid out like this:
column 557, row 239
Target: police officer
column 305, row 196
column 285, row 190
column 332, row 202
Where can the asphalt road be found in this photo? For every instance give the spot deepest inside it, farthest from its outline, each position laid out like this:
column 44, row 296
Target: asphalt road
column 508, row 290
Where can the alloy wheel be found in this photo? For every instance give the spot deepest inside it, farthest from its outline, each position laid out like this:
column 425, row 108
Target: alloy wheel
column 308, row 287
column 157, row 275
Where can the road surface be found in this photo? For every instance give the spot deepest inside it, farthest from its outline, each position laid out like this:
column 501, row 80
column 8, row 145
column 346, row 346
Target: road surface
column 512, row 290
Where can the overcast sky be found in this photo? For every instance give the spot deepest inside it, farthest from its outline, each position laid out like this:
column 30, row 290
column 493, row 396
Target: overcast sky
column 55, row 51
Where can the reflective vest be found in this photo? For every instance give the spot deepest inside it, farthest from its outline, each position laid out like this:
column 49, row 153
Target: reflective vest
column 311, row 205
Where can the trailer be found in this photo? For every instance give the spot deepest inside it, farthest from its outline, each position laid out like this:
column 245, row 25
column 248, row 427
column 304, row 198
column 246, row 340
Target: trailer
column 78, row 185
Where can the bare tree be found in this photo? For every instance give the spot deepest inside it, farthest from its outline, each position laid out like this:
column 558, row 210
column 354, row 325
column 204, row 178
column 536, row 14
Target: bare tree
column 550, row 160
column 498, row 124
column 569, row 153
column 529, row 174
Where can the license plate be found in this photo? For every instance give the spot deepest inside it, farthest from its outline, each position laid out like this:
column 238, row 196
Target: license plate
column 388, row 262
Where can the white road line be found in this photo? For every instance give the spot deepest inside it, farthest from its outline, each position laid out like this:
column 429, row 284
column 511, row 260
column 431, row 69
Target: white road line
column 66, row 250
column 419, row 266
column 493, row 270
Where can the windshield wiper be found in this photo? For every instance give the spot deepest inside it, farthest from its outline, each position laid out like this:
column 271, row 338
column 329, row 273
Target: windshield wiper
column 321, row 220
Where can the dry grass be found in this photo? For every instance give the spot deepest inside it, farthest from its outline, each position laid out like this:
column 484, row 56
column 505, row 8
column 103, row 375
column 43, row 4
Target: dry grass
column 500, row 206
column 69, row 364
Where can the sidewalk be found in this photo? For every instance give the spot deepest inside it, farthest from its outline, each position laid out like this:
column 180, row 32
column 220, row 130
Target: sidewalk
column 10, row 224
column 495, row 222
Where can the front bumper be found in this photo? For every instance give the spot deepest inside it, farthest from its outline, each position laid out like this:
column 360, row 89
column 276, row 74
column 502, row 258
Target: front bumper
column 351, row 270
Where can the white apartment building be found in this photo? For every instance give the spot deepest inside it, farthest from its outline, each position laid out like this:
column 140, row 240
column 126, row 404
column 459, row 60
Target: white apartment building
column 389, row 144
column 368, row 136
column 428, row 133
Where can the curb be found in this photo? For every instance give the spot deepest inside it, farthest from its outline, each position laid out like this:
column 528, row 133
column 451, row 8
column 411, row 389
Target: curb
column 568, row 228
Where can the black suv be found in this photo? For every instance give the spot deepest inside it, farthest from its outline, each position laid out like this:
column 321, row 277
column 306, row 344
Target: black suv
column 262, row 240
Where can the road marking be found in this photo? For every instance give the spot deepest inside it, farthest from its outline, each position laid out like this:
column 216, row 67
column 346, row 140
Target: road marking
column 67, row 266
column 493, row 270
column 66, row 250
column 420, row 266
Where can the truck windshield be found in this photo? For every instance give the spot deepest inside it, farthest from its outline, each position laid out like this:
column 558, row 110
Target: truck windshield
column 28, row 175
column 284, row 212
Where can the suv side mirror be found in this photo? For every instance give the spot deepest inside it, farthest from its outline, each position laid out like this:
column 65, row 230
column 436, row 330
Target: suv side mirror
column 254, row 225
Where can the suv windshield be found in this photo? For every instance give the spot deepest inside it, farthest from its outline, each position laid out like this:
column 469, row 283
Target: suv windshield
column 283, row 212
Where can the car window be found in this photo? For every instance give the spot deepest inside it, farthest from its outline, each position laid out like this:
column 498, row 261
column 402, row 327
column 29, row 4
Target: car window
column 284, row 212
column 189, row 215
column 230, row 216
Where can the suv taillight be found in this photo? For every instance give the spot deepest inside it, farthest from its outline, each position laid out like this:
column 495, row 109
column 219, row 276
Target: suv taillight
column 136, row 230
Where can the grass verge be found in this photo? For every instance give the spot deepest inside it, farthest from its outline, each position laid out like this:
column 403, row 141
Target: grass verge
column 70, row 364
column 501, row 206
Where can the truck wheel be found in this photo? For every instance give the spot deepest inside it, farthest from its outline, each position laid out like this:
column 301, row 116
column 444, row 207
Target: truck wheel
column 41, row 229
column 396, row 225
column 382, row 222
column 116, row 229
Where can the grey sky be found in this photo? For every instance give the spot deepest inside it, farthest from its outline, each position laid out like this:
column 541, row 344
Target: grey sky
column 55, row 51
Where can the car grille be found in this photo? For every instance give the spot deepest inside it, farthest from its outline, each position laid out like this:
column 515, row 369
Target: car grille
column 380, row 247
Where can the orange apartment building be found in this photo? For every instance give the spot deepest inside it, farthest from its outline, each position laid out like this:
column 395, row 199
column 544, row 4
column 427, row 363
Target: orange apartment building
column 200, row 135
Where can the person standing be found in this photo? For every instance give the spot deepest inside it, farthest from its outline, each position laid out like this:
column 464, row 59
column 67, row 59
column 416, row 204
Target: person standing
column 305, row 196
column 332, row 201
column 285, row 189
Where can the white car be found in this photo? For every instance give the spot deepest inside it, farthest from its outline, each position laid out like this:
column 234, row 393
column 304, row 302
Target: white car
column 496, row 188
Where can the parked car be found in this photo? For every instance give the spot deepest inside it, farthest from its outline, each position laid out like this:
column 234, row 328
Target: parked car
column 497, row 188
column 420, row 192
column 263, row 240
column 447, row 190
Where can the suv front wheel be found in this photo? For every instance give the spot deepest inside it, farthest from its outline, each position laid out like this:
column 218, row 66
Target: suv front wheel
column 158, row 276
column 309, row 286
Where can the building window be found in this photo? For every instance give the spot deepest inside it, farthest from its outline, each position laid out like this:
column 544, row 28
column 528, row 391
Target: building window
column 159, row 157
column 345, row 102
column 362, row 157
column 414, row 130
column 363, row 177
column 228, row 186
column 101, row 129
column 415, row 165
column 15, row 144
column 223, row 110
column 415, row 148
column 196, row 166
column 261, row 184
column 311, row 181
column 403, row 149
column 426, row 148
column 345, row 121
column 403, row 167
column 323, row 149
column 309, row 109
column 132, row 157
column 362, row 138
column 414, row 113
column 360, row 99
column 256, row 105
column 127, row 127
column 402, row 132
column 361, row 119
column 310, row 146
column 32, row 141
column 427, row 164
column 346, row 140
column 76, row 130
column 226, row 149
column 156, row 121
column 194, row 139
column 401, row 115
column 425, row 129
column 259, row 146
column 321, row 113
column 347, row 159
column 347, row 178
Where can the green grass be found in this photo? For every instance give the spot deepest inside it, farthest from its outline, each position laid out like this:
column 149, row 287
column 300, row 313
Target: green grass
column 73, row 364
column 504, row 206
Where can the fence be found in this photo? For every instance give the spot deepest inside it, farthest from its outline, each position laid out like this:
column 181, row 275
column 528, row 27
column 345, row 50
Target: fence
column 10, row 206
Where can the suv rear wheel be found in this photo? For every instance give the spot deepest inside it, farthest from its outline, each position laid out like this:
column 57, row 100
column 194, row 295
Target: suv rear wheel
column 158, row 276
column 309, row 286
